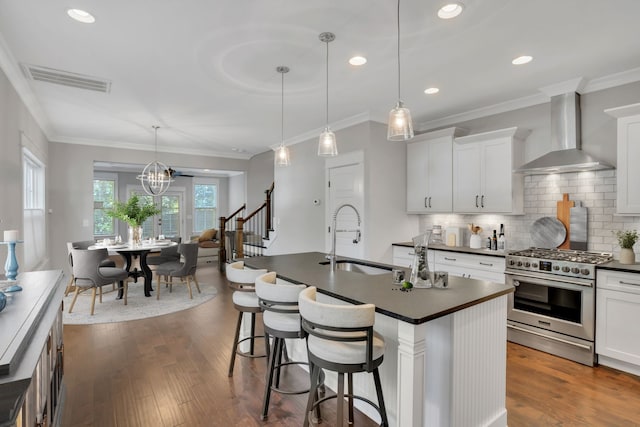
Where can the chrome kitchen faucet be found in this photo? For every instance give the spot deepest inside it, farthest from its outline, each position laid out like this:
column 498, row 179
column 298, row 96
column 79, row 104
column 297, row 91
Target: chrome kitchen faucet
column 332, row 256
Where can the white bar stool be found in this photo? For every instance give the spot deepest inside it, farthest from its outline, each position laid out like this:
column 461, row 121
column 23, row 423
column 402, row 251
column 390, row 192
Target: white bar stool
column 245, row 300
column 341, row 339
column 279, row 302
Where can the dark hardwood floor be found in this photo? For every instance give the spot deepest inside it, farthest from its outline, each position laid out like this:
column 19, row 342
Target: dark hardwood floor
column 172, row 371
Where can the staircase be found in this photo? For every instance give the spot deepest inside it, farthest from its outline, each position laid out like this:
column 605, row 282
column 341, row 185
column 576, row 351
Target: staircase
column 249, row 235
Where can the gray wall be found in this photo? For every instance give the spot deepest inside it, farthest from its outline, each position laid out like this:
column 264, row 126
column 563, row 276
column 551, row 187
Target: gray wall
column 17, row 127
column 300, row 225
column 260, row 179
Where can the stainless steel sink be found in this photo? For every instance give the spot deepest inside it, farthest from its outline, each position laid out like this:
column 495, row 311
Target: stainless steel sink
column 358, row 267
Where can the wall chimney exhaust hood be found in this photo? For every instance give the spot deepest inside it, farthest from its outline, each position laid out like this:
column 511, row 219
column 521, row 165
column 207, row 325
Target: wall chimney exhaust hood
column 566, row 154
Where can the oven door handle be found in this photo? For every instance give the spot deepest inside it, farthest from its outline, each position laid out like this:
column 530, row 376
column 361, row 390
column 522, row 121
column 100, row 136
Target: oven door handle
column 586, row 347
column 546, row 281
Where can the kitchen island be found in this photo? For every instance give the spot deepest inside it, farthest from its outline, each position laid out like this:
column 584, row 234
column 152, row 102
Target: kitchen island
column 445, row 358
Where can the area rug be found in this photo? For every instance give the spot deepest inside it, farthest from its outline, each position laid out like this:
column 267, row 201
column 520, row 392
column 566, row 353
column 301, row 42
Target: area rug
column 138, row 306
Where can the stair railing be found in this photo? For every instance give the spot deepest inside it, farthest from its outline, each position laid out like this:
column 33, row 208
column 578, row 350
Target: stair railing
column 254, row 229
column 227, row 227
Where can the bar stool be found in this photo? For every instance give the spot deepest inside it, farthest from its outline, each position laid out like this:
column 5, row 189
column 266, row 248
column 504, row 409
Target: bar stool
column 341, row 339
column 279, row 302
column 245, row 300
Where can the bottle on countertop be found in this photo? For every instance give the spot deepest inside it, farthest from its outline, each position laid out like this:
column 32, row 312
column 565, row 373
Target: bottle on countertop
column 488, row 242
column 502, row 241
column 494, row 241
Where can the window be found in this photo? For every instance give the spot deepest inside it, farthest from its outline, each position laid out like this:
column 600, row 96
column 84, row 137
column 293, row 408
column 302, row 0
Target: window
column 104, row 194
column 33, row 210
column 205, row 203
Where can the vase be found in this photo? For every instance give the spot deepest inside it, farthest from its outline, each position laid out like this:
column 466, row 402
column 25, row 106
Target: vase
column 135, row 236
column 627, row 256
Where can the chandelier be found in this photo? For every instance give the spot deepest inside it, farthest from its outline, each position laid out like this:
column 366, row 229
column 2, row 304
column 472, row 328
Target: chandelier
column 156, row 176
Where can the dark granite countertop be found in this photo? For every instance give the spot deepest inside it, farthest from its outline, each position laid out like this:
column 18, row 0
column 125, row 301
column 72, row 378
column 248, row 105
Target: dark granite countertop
column 458, row 249
column 615, row 265
column 416, row 306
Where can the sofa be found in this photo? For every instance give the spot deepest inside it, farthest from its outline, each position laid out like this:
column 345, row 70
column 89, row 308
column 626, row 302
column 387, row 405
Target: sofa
column 208, row 246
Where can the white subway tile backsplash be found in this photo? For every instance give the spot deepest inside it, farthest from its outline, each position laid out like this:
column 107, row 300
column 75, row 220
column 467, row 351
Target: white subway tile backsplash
column 595, row 190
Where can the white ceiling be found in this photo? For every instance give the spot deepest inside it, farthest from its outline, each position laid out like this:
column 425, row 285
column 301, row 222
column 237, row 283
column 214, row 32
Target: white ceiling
column 204, row 70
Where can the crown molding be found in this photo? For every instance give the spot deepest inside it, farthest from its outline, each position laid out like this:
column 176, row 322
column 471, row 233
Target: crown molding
column 489, row 110
column 144, row 147
column 335, row 126
column 613, row 80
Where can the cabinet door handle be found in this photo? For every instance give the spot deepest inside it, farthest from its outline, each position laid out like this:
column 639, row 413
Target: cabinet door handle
column 429, row 201
column 476, row 200
column 482, row 201
column 622, row 282
column 485, row 263
column 425, row 202
column 450, row 259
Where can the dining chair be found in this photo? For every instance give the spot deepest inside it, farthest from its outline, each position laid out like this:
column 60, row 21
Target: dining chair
column 182, row 269
column 107, row 262
column 168, row 254
column 88, row 274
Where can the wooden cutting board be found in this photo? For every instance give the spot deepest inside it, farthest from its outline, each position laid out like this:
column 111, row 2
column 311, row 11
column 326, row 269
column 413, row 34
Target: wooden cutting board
column 564, row 215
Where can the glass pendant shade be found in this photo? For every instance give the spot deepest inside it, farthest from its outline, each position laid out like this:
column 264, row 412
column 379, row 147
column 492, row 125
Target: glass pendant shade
column 156, row 176
column 282, row 156
column 282, row 153
column 400, row 124
column 327, row 146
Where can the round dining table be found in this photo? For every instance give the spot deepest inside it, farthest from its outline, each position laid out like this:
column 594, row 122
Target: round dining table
column 132, row 253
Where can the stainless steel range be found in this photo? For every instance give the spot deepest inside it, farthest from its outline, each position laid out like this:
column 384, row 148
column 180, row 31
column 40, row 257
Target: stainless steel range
column 553, row 306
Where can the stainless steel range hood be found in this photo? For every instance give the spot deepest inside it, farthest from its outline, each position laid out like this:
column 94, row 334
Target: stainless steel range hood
column 566, row 154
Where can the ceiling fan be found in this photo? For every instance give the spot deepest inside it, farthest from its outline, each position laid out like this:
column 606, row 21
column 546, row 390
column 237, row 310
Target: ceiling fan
column 174, row 173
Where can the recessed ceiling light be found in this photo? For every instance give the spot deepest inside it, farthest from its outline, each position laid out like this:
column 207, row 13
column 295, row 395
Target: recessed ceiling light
column 524, row 59
column 358, row 60
column 81, row 16
column 431, row 90
column 450, row 10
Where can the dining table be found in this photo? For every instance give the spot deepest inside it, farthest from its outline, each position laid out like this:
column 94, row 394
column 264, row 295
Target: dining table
column 135, row 258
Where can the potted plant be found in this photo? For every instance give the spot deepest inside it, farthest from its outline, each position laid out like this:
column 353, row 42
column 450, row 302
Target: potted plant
column 134, row 214
column 626, row 240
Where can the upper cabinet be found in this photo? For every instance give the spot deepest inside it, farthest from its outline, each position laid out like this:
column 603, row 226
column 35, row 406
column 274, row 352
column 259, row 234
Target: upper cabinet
column 429, row 171
column 483, row 181
column 628, row 174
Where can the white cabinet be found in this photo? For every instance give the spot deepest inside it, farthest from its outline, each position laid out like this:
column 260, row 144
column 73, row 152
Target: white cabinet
column 403, row 256
column 617, row 320
column 472, row 266
column 628, row 174
column 429, row 171
column 483, row 181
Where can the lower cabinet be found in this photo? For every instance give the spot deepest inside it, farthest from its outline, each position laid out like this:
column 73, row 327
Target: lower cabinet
column 403, row 256
column 617, row 320
column 472, row 266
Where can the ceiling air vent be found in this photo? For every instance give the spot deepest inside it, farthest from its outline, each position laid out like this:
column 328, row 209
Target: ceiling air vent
column 65, row 78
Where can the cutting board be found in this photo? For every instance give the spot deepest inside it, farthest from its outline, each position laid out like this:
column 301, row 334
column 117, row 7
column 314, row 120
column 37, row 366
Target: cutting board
column 564, row 215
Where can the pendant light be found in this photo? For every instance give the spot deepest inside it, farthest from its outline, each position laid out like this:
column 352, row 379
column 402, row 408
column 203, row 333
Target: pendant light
column 282, row 153
column 156, row 176
column 400, row 127
column 327, row 146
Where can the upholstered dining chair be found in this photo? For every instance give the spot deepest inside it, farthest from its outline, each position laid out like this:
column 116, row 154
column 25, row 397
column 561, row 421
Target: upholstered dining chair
column 107, row 262
column 185, row 269
column 88, row 274
column 168, row 254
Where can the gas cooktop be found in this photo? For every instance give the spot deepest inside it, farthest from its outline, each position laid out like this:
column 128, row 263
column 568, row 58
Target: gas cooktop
column 565, row 255
column 571, row 263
